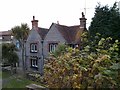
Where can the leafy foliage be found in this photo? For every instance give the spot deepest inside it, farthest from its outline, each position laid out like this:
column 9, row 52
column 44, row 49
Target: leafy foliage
column 21, row 34
column 94, row 66
column 9, row 55
column 106, row 21
column 61, row 49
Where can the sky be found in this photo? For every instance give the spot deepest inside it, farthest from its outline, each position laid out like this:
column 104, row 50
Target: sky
column 67, row 12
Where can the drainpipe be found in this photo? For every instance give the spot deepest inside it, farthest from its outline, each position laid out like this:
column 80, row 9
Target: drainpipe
column 25, row 54
column 42, row 59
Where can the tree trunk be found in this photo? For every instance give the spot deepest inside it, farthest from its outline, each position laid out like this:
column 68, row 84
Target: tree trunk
column 23, row 61
column 15, row 68
column 11, row 69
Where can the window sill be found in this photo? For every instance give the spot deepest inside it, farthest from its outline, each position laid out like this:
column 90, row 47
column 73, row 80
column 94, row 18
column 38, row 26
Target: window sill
column 34, row 68
column 33, row 51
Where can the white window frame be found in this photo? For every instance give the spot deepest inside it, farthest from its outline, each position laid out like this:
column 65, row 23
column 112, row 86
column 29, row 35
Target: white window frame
column 52, row 47
column 11, row 37
column 34, row 62
column 33, row 47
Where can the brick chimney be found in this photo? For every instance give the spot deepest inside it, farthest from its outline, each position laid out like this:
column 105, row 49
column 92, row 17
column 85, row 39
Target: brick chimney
column 83, row 21
column 34, row 23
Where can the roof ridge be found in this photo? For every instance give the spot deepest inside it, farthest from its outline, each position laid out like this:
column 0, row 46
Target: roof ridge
column 66, row 26
column 42, row 28
column 61, row 25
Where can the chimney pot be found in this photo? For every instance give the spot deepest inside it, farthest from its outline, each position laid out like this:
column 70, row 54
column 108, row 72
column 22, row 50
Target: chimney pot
column 34, row 23
column 57, row 22
column 83, row 21
column 33, row 17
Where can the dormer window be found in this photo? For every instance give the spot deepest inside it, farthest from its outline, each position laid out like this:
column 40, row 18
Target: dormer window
column 33, row 47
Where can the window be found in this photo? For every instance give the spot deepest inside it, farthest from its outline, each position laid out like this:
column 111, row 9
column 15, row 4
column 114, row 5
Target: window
column 52, row 47
column 11, row 37
column 17, row 44
column 33, row 47
column 73, row 45
column 34, row 63
column 0, row 37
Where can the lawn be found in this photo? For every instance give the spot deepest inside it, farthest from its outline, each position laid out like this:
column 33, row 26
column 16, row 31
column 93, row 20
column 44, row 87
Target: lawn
column 5, row 75
column 0, row 74
column 15, row 81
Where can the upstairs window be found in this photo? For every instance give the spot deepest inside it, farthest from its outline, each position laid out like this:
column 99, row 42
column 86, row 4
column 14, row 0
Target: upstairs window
column 33, row 47
column 52, row 47
column 73, row 45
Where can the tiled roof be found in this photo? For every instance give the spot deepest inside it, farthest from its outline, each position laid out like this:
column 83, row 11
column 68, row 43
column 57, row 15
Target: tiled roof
column 71, row 34
column 42, row 32
column 5, row 33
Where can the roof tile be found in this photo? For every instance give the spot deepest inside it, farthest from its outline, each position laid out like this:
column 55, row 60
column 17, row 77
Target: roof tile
column 71, row 34
column 42, row 32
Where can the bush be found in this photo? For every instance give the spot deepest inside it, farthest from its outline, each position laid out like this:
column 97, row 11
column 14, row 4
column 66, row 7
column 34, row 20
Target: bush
column 92, row 67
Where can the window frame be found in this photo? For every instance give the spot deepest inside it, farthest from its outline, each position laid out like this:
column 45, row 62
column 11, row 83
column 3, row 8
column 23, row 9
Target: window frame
column 34, row 62
column 33, row 47
column 73, row 45
column 52, row 46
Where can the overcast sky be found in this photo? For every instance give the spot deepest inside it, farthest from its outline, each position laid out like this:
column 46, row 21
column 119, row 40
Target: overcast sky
column 67, row 12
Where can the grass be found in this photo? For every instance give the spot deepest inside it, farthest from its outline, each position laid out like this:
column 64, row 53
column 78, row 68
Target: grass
column 15, row 81
column 5, row 74
column 0, row 74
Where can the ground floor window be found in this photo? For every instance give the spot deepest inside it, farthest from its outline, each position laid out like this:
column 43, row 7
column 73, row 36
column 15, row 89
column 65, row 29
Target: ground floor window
column 34, row 62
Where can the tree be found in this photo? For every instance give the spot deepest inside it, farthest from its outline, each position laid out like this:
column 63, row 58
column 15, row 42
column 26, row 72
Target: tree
column 86, row 68
column 9, row 55
column 21, row 34
column 106, row 21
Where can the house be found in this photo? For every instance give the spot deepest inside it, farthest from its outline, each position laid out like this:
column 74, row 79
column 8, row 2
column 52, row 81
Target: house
column 6, row 36
column 41, row 41
column 34, row 46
